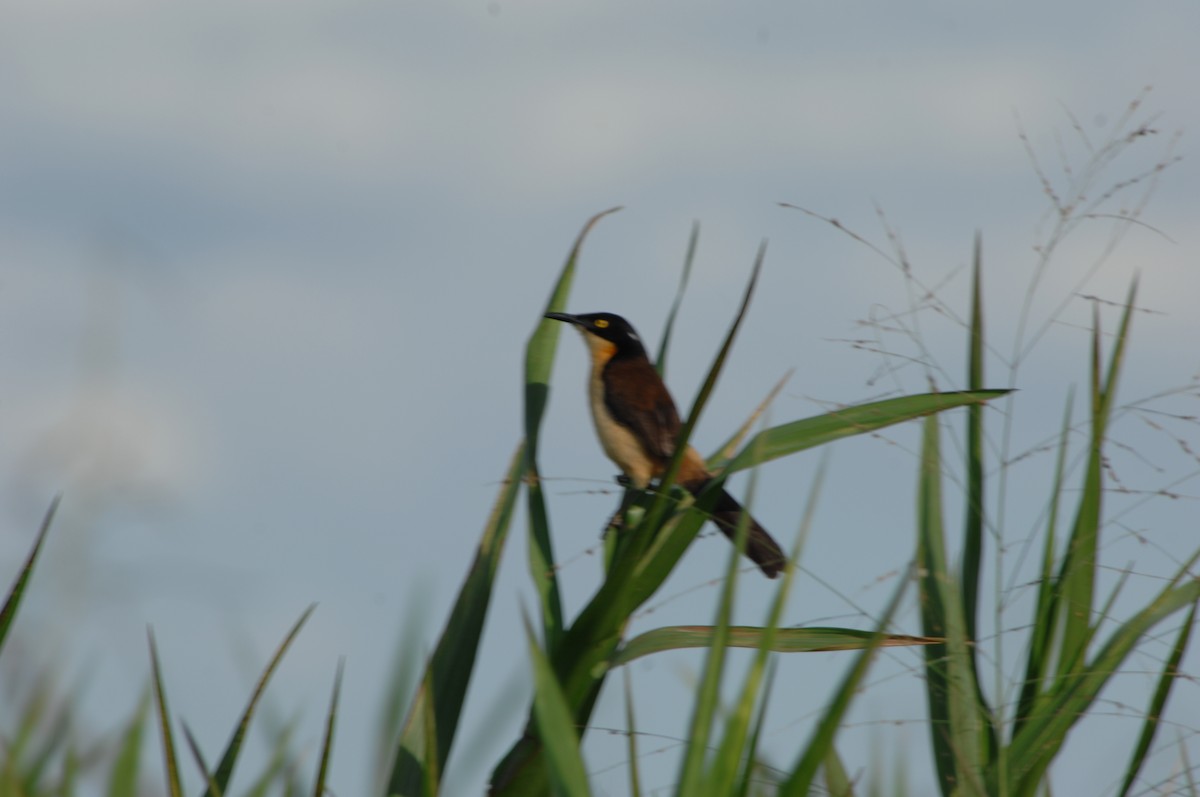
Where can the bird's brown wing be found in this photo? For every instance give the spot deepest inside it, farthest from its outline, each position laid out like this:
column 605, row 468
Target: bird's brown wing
column 638, row 400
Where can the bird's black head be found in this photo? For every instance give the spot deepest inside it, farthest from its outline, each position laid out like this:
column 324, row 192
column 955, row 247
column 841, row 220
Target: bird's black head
column 607, row 327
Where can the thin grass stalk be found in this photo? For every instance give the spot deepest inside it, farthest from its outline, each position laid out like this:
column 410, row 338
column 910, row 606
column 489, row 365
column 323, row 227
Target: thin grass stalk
column 330, row 724
column 1157, row 703
column 635, row 779
column 664, row 345
column 170, row 759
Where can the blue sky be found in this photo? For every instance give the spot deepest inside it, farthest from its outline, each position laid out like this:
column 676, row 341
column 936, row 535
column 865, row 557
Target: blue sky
column 268, row 270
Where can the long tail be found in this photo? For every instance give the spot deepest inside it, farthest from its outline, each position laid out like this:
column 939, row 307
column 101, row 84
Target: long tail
column 761, row 547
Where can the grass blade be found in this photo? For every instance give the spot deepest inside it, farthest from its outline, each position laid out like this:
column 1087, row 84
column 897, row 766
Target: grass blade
column 635, row 780
column 556, row 727
column 13, row 601
column 806, row 433
column 1158, row 702
column 784, row 640
column 1046, row 614
column 327, row 742
column 660, row 362
column 229, row 758
column 1078, row 575
column 727, row 768
column 955, row 720
column 837, row 781
column 438, row 702
column 539, row 360
column 693, row 779
column 973, row 524
column 800, row 782
column 123, row 778
column 170, row 759
column 198, row 757
column 1044, row 733
column 750, row 766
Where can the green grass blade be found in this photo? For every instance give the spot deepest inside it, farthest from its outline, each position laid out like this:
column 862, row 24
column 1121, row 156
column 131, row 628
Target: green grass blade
column 1077, row 576
column 431, row 783
column 749, row 774
column 170, row 759
column 229, row 758
column 1044, row 733
column 660, row 362
column 973, row 524
column 1158, row 702
column 693, row 779
column 198, row 757
column 1045, row 614
column 327, row 742
column 1077, row 581
column 784, row 640
column 635, row 780
column 556, row 727
column 406, row 668
column 539, row 360
column 440, row 698
column 123, row 778
column 806, row 433
column 727, row 768
column 800, row 782
column 955, row 721
column 13, row 601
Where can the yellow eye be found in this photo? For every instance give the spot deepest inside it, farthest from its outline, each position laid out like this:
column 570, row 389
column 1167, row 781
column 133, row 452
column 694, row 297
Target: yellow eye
column 601, row 323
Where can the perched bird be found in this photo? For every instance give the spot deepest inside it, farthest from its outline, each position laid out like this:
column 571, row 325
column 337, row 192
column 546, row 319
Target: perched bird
column 638, row 425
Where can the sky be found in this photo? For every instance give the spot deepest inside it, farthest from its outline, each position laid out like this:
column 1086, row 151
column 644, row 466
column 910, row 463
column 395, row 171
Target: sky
column 267, row 271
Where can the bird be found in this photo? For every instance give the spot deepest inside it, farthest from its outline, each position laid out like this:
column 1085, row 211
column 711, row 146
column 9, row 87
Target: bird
column 638, row 426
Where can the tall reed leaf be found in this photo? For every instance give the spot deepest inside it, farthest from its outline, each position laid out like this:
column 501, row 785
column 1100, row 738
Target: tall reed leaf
column 1078, row 577
column 568, row 776
column 955, row 721
column 438, row 702
column 539, row 359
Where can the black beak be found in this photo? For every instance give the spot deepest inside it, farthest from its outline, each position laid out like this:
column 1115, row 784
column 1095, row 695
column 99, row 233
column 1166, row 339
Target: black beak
column 567, row 317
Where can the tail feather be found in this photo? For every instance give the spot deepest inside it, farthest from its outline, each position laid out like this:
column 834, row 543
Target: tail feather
column 761, row 547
